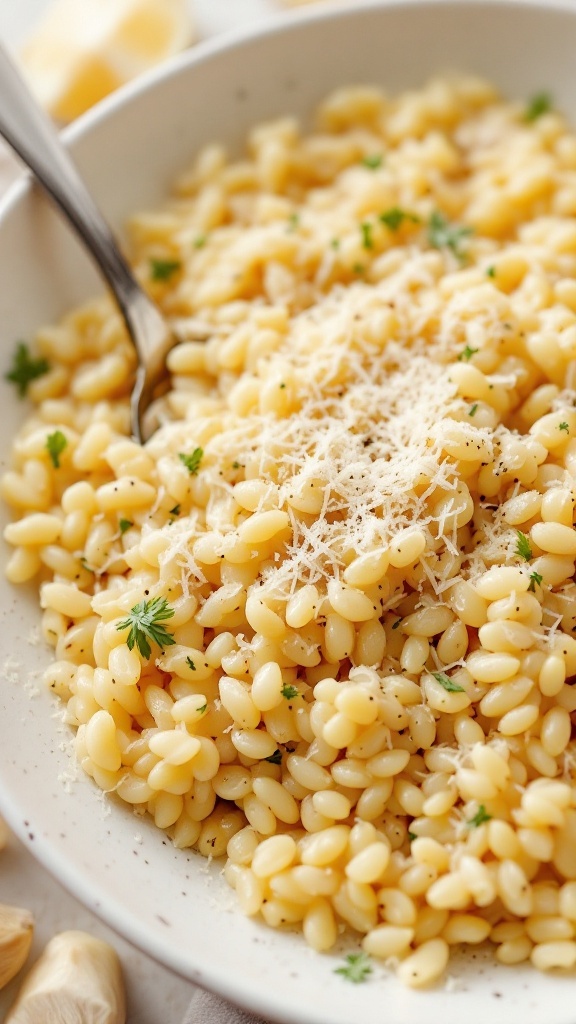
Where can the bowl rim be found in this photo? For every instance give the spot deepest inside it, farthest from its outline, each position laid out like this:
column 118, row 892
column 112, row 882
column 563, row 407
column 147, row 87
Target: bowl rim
column 73, row 878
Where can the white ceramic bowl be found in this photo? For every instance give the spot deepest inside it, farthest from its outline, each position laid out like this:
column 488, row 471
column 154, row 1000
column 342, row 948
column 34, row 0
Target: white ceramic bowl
column 166, row 901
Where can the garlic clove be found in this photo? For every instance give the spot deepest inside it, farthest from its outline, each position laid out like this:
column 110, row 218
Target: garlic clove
column 16, row 933
column 77, row 978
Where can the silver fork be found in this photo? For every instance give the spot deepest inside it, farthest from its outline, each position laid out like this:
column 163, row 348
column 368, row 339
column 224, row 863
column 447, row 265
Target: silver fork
column 29, row 132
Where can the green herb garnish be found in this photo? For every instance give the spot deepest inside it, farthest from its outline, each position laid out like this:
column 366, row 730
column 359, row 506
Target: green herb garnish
column 275, row 758
column 293, row 222
column 358, row 268
column 539, row 104
column 162, row 270
column 192, row 461
column 447, row 683
column 289, row 691
column 174, row 511
column 472, row 409
column 200, row 241
column 124, row 525
column 395, row 217
column 367, row 237
column 479, row 818
column 55, row 445
column 563, row 426
column 412, row 836
column 85, row 565
column 25, row 369
column 372, row 161
column 203, row 709
column 235, row 465
column 190, row 663
column 443, row 235
column 467, row 353
column 356, row 968
column 396, row 624
column 143, row 622
column 491, row 272
column 535, row 578
column 523, row 549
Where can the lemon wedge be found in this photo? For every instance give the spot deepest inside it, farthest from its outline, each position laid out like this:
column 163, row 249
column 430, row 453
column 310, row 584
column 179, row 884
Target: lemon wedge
column 84, row 49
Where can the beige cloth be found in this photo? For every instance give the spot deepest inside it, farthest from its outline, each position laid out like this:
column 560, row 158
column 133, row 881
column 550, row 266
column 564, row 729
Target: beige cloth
column 206, row 1008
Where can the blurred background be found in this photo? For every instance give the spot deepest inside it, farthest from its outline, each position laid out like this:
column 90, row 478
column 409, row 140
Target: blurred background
column 75, row 51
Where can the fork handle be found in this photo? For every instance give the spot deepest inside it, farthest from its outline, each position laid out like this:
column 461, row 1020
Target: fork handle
column 32, row 136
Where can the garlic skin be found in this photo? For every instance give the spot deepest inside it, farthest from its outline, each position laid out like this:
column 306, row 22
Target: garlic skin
column 77, row 978
column 16, row 934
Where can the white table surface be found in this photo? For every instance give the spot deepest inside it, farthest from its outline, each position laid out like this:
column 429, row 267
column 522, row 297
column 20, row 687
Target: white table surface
column 154, row 994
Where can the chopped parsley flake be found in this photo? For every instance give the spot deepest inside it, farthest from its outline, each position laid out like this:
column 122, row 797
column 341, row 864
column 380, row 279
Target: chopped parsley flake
column 467, row 353
column 235, row 465
column 443, row 235
column 293, row 222
column 372, row 161
column 25, row 369
column 190, row 663
column 367, row 235
column 472, row 409
column 174, row 511
column 335, row 243
column 356, row 968
column 203, row 709
column 275, row 758
column 55, row 445
column 447, row 683
column 192, row 461
column 491, row 272
column 162, row 270
column 479, row 818
column 200, row 241
column 412, row 836
column 289, row 691
column 523, row 549
column 282, row 386
column 85, row 565
column 358, row 268
column 396, row 624
column 563, row 426
column 535, row 578
column 540, row 103
column 144, row 624
column 395, row 217
column 124, row 525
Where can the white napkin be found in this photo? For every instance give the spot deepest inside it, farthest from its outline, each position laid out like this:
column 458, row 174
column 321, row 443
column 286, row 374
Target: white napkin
column 206, row 1008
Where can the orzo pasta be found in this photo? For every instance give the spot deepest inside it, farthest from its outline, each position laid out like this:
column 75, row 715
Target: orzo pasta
column 322, row 622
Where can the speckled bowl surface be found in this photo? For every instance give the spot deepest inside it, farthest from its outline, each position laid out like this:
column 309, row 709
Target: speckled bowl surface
column 168, row 902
